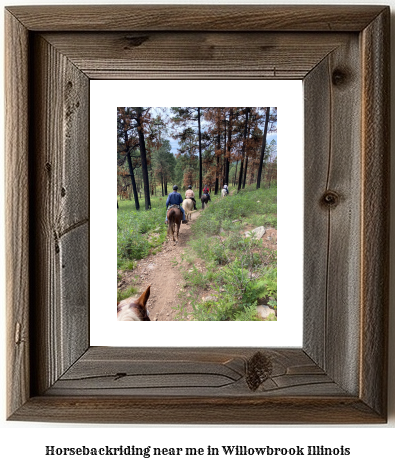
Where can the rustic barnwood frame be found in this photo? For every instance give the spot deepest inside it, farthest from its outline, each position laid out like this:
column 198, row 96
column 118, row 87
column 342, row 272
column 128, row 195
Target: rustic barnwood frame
column 340, row 373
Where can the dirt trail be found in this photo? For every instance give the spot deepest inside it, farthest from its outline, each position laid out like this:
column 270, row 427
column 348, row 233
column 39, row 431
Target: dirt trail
column 162, row 272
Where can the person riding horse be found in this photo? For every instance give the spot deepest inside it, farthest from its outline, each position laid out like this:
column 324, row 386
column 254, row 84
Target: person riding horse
column 226, row 187
column 175, row 198
column 206, row 191
column 189, row 194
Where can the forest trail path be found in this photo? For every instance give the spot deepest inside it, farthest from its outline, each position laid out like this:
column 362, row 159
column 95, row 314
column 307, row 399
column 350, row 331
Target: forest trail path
column 162, row 272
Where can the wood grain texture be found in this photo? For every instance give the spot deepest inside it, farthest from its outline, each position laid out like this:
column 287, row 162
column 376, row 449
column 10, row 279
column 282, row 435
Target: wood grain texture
column 317, row 113
column 60, row 188
column 194, row 372
column 332, row 172
column 196, row 17
column 17, row 189
column 202, row 55
column 339, row 376
column 198, row 410
column 375, row 211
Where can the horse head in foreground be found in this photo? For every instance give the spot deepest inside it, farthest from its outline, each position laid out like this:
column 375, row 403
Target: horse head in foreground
column 174, row 217
column 133, row 308
column 204, row 199
column 187, row 204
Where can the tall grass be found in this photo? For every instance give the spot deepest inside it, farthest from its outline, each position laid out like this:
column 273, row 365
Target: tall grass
column 257, row 207
column 139, row 233
column 240, row 271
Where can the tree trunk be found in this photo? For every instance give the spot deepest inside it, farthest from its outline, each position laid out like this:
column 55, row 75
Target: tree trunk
column 135, row 194
column 258, row 180
column 240, row 174
column 200, row 157
column 229, row 146
column 143, row 155
column 245, row 172
column 243, row 150
column 217, row 167
column 217, row 170
column 246, row 167
column 235, row 178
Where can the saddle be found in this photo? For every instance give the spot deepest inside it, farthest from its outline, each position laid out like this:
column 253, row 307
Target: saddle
column 177, row 206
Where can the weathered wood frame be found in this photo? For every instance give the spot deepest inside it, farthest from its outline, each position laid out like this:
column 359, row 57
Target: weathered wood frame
column 340, row 374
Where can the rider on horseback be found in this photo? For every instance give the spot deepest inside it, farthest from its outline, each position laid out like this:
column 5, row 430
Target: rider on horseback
column 206, row 191
column 226, row 187
column 175, row 198
column 189, row 194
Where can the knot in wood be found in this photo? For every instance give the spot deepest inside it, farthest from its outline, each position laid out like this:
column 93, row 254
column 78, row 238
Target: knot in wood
column 259, row 369
column 330, row 199
column 339, row 77
column 135, row 41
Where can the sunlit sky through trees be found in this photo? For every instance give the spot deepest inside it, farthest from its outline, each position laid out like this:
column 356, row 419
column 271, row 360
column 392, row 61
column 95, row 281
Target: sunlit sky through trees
column 166, row 112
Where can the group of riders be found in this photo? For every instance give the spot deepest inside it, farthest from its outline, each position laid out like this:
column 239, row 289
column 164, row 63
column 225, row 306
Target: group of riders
column 175, row 198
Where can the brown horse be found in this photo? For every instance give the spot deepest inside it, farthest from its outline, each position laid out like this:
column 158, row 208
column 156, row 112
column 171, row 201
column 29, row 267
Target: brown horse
column 204, row 199
column 133, row 308
column 174, row 217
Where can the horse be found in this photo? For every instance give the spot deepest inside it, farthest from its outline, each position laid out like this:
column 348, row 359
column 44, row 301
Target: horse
column 188, row 205
column 204, row 200
column 224, row 192
column 174, row 217
column 133, row 308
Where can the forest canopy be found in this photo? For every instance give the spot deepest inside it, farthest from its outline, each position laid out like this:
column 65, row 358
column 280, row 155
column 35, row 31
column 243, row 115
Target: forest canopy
column 160, row 147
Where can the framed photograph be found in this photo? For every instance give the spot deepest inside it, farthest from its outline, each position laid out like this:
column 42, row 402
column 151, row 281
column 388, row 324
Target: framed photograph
column 339, row 375
column 178, row 290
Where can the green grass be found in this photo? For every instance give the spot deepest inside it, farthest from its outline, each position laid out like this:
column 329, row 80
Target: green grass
column 139, row 232
column 241, row 270
column 121, row 295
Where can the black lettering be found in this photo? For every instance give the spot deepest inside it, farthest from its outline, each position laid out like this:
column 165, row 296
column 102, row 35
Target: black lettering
column 147, row 452
column 260, row 450
column 228, row 450
column 212, row 450
column 193, row 451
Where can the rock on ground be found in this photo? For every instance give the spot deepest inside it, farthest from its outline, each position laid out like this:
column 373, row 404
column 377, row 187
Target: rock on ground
column 264, row 311
column 258, row 232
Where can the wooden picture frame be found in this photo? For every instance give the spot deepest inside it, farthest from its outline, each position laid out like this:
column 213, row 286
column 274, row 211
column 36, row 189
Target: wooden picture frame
column 340, row 373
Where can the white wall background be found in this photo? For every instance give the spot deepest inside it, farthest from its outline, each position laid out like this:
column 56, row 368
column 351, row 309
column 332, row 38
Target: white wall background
column 23, row 444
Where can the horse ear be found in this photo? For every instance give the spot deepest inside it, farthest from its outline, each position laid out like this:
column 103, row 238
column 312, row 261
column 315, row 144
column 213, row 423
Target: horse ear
column 142, row 300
